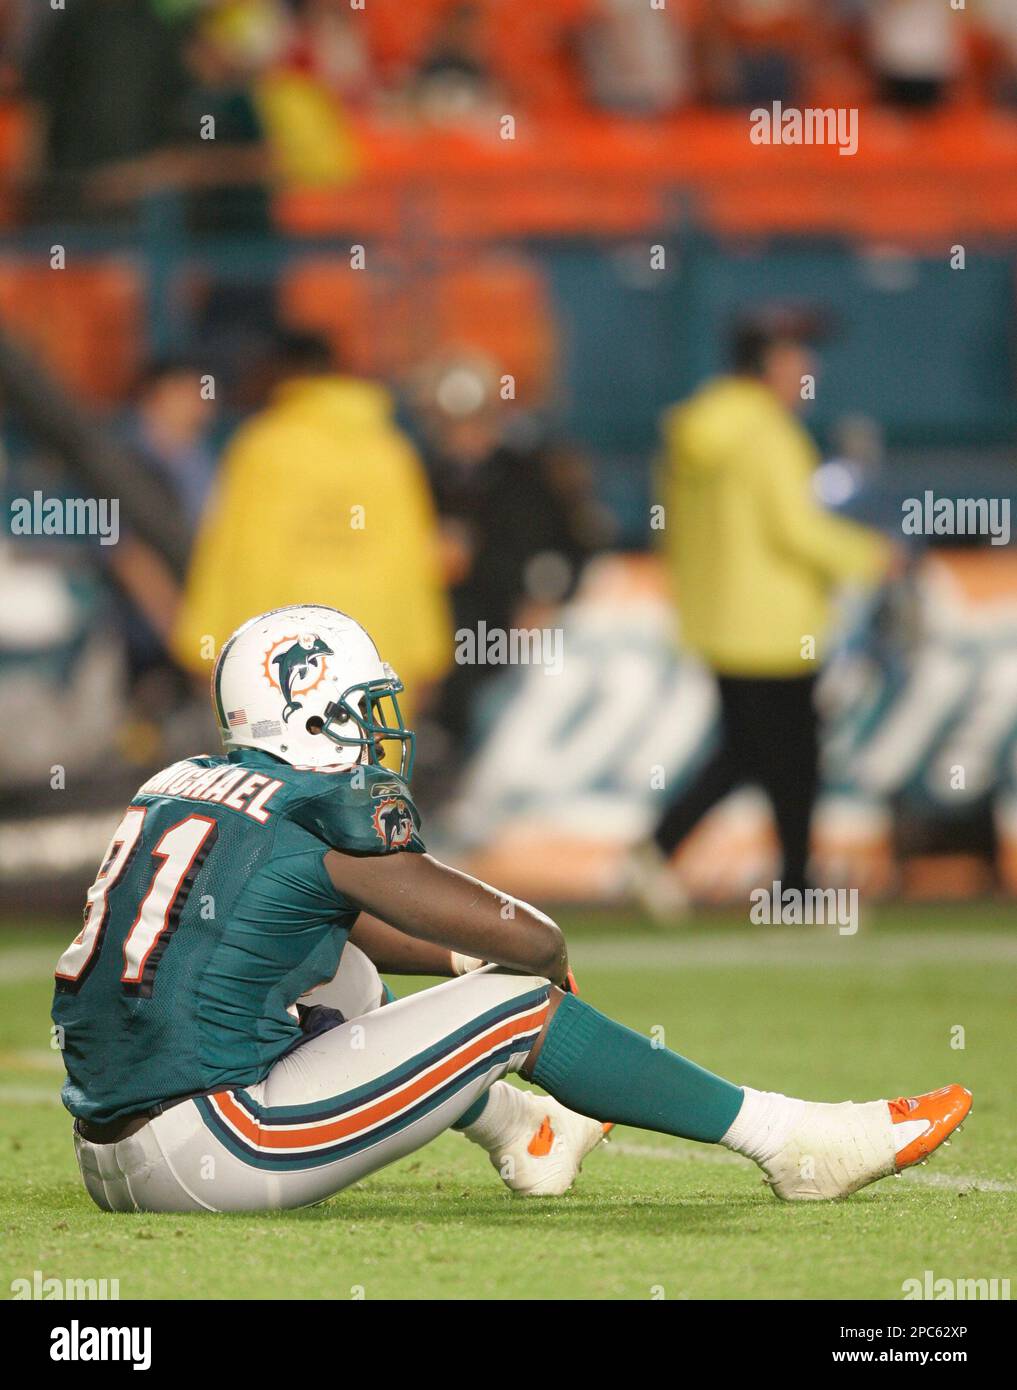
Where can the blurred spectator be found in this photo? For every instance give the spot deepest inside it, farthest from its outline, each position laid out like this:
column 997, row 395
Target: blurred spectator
column 753, row 50
column 321, row 498
column 105, row 79
column 518, row 518
column 999, row 18
column 276, row 121
column 166, row 431
column 754, row 559
column 916, row 49
column 228, row 175
column 635, row 58
column 169, row 427
column 19, row 21
column 129, row 103
column 302, row 97
column 453, row 82
column 328, row 43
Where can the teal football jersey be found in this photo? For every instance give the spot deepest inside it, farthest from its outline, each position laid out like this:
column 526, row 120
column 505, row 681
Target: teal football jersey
column 212, row 912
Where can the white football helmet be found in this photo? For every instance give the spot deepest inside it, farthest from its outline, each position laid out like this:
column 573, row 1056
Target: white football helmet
column 307, row 684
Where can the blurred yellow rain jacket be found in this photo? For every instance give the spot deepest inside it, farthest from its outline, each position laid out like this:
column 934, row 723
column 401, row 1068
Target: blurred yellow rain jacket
column 753, row 556
column 311, row 140
column 322, row 499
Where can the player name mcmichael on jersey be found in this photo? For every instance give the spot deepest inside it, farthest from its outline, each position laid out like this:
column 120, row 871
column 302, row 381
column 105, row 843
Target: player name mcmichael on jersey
column 360, row 810
column 236, row 787
column 211, row 913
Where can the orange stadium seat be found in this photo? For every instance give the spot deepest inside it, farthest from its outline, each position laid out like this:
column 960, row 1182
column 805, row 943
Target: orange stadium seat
column 531, row 54
column 361, row 313
column 398, row 33
column 922, row 177
column 384, row 325
column 499, row 307
column 83, row 322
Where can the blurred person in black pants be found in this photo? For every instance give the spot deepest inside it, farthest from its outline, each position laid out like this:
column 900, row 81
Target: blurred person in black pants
column 755, row 560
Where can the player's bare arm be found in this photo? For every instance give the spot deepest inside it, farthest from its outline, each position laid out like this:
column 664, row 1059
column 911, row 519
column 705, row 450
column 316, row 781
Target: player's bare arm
column 394, row 953
column 431, row 902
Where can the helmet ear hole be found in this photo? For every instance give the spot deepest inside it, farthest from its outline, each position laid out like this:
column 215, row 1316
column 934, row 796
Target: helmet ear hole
column 315, row 724
column 336, row 712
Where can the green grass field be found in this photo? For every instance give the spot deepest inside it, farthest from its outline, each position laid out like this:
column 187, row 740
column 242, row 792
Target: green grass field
column 796, row 1009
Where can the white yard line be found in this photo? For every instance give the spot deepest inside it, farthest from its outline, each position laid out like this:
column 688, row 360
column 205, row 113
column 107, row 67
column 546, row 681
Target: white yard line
column 706, row 1154
column 31, row 1059
column 804, row 946
column 964, row 1182
column 783, row 946
column 20, row 964
column 30, row 1095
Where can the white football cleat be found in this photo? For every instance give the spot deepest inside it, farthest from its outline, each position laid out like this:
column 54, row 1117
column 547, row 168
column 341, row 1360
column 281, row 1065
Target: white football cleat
column 649, row 876
column 836, row 1149
column 543, row 1158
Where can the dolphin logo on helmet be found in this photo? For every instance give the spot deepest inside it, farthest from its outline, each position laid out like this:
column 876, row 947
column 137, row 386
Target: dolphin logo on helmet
column 295, row 662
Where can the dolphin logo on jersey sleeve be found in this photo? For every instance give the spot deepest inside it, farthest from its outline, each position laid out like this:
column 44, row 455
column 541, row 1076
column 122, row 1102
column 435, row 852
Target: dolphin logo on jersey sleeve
column 393, row 823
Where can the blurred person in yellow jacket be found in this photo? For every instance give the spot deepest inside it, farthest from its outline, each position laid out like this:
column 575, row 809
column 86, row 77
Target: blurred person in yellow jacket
column 321, row 499
column 754, row 559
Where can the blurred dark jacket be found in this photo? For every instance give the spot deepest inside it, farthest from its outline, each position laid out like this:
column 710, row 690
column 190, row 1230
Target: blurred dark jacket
column 110, row 76
column 529, row 524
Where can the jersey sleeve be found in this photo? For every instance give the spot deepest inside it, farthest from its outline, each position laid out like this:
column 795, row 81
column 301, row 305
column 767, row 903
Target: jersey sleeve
column 368, row 812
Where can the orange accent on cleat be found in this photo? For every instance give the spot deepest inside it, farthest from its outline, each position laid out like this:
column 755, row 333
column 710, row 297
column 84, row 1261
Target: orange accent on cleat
column 943, row 1111
column 541, row 1143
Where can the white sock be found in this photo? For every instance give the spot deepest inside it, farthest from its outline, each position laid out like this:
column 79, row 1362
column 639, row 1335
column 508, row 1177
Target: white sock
column 505, row 1114
column 763, row 1125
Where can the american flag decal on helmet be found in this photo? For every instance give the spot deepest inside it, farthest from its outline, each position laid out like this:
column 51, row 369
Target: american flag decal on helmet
column 236, row 717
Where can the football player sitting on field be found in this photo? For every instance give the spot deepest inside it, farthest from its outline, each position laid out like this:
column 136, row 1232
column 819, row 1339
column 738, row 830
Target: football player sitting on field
column 219, row 1011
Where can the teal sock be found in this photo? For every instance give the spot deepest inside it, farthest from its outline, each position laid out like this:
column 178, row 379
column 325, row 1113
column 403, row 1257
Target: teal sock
column 474, row 1113
column 606, row 1071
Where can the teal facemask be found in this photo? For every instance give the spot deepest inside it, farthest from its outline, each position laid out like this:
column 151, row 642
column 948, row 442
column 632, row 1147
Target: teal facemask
column 368, row 714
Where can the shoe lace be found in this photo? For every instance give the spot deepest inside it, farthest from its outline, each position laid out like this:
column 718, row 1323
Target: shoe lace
column 903, row 1106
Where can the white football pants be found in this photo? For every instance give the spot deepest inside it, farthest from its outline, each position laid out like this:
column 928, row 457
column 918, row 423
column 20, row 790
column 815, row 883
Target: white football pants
column 337, row 1107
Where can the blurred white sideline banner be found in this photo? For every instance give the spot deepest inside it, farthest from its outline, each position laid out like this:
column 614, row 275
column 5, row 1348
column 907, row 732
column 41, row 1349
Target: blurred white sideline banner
column 920, row 713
